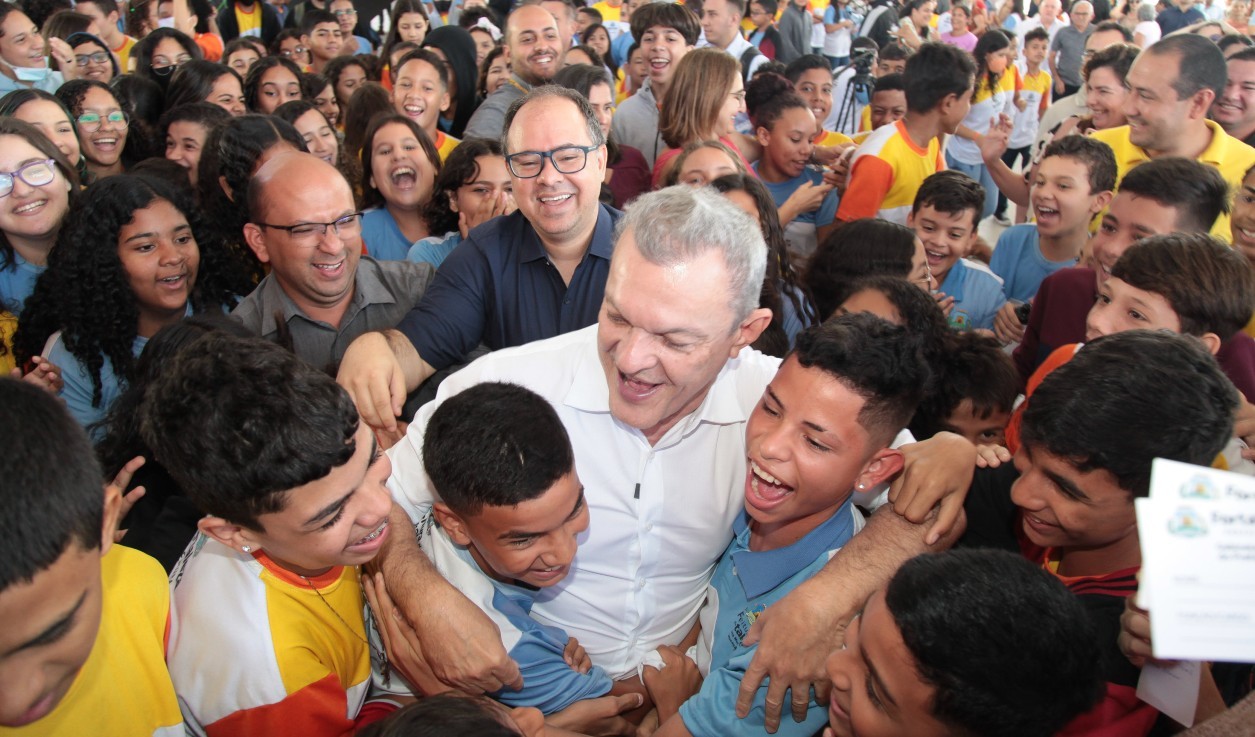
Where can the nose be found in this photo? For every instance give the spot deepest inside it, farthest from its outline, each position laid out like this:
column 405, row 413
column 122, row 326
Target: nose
column 773, row 444
column 634, row 352
column 169, row 253
column 838, row 671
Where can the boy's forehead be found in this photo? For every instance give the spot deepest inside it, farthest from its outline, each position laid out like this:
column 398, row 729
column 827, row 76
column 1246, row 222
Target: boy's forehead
column 958, row 219
column 28, row 608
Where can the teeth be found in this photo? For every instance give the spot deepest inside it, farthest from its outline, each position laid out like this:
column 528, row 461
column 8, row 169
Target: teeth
column 555, row 198
column 760, row 473
column 378, row 531
column 329, row 267
column 28, row 208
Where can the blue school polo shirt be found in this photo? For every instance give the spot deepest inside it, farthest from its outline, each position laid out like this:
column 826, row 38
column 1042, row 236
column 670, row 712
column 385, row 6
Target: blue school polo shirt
column 977, row 293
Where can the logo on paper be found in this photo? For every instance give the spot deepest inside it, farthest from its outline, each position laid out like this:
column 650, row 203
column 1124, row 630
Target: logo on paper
column 1199, row 487
column 1187, row 523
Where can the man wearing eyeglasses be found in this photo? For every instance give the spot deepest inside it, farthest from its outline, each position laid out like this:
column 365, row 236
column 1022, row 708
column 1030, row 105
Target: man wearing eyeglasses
column 346, row 16
column 320, row 291
column 534, row 274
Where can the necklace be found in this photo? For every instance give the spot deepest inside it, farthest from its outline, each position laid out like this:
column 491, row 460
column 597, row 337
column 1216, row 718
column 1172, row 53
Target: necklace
column 379, row 652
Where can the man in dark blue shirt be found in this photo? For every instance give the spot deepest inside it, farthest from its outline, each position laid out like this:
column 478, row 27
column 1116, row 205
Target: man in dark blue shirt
column 1179, row 15
column 537, row 273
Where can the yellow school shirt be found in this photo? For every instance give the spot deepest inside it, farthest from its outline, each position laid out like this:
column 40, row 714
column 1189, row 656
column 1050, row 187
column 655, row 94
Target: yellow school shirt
column 8, row 326
column 885, row 173
column 1225, row 153
column 831, row 138
column 608, row 11
column 249, row 23
column 124, row 687
column 123, row 53
column 445, row 145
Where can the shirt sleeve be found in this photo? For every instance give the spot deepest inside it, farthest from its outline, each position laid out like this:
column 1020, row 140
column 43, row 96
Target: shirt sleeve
column 870, row 180
column 712, row 711
column 77, row 390
column 450, row 320
column 549, row 684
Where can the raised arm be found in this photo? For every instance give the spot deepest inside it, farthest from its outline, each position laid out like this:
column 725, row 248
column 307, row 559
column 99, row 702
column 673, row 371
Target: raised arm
column 379, row 370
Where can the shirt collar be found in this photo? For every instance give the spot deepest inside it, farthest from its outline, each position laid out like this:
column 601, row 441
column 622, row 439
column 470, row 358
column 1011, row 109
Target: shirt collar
column 531, row 249
column 367, row 290
column 952, row 286
column 760, row 572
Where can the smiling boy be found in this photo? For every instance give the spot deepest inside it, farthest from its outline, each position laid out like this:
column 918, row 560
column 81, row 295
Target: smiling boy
column 321, row 34
column 945, row 218
column 293, row 489
column 78, row 614
column 665, row 32
column 821, row 431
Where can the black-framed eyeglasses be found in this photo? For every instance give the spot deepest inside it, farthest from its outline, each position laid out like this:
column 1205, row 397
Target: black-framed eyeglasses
column 34, row 173
column 163, row 66
column 100, row 57
column 91, row 122
column 565, row 159
column 289, row 53
column 344, row 227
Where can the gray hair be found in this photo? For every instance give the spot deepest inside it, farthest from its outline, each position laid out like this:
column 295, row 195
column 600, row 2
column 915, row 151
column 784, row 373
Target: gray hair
column 552, row 90
column 678, row 224
column 1145, row 12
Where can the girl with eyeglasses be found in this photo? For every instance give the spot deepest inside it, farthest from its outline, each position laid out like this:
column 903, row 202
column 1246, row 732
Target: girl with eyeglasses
column 399, row 168
column 37, row 185
column 50, row 117
column 101, row 124
column 93, row 57
column 132, row 259
column 159, row 53
column 288, row 45
column 702, row 103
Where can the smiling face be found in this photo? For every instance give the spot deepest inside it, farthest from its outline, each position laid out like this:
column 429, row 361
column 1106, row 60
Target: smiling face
column 958, row 20
column 876, row 687
column 52, row 621
column 419, row 94
column 532, row 542
column 1061, row 198
column 483, row 45
column 102, row 146
column 20, row 42
column 1235, row 109
column 1129, row 219
column 228, row 94
column 806, row 450
column 1243, row 218
column 51, row 120
column 319, row 137
column 1105, row 96
column 1121, row 306
column 1062, row 507
column 399, row 167
column 351, row 77
column 704, row 165
column 346, row 15
column 663, row 334
column 30, row 213
column 324, row 41
column 160, row 257
column 100, row 70
column 601, row 97
column 340, row 519
column 946, row 236
column 561, row 207
column 888, row 106
column 491, row 179
column 733, row 105
column 600, row 41
column 787, row 147
column 185, row 141
column 534, row 44
column 662, row 47
column 327, row 104
column 169, row 53
column 277, row 86
column 815, row 86
column 1157, row 117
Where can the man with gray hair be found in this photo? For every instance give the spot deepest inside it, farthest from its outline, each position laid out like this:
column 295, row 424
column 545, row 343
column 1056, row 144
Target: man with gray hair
column 655, row 398
column 533, row 274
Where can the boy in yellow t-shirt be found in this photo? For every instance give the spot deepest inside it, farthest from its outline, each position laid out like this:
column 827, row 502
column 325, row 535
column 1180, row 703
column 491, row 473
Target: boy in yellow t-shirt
column 78, row 615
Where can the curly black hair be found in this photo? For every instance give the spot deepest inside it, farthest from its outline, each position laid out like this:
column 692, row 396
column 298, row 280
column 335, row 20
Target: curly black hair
column 85, row 293
column 231, row 152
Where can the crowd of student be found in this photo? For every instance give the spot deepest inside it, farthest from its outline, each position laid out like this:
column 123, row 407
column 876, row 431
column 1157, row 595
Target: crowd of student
column 670, row 330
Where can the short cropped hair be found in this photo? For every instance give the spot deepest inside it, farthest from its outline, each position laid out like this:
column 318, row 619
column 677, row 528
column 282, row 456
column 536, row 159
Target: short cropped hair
column 1200, row 63
column 895, row 82
column 893, row 51
column 1197, row 191
column 933, row 72
column 1208, row 284
column 1037, row 34
column 495, row 445
column 951, row 610
column 864, row 247
column 666, row 15
column 1121, row 402
column 451, row 714
column 314, row 17
column 553, row 90
column 877, row 360
column 974, row 367
column 1118, row 58
column 680, row 223
column 1111, row 25
column 1097, row 157
column 950, row 192
column 240, row 422
column 803, row 64
column 52, row 496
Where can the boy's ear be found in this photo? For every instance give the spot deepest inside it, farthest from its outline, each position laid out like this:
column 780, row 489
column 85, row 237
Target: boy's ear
column 229, row 534
column 1100, row 202
column 112, row 515
column 1211, row 342
column 453, row 525
column 883, row 466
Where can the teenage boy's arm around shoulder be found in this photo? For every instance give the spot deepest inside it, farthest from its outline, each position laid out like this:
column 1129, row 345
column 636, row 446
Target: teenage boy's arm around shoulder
column 456, row 641
column 796, row 634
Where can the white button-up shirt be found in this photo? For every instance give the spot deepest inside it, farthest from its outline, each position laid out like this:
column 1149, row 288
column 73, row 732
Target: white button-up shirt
column 640, row 574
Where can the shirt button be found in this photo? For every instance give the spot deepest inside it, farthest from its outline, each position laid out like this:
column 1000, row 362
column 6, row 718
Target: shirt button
column 640, row 583
column 566, row 301
column 649, row 527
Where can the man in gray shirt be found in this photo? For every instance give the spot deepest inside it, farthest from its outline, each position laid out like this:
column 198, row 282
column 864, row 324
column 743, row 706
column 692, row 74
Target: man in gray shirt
column 320, row 293
column 1067, row 50
column 535, row 48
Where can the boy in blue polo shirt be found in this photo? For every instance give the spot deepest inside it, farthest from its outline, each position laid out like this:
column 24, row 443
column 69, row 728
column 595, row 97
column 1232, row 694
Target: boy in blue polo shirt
column 822, row 430
column 944, row 217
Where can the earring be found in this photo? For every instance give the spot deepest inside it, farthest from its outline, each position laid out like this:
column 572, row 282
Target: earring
column 246, row 549
column 862, row 486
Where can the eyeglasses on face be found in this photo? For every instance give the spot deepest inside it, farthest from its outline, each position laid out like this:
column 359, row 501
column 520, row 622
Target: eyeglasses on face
column 308, row 233
column 565, row 159
column 92, row 121
column 33, row 173
column 100, row 57
column 289, row 53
